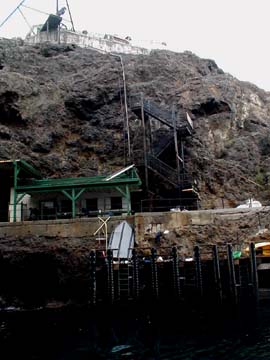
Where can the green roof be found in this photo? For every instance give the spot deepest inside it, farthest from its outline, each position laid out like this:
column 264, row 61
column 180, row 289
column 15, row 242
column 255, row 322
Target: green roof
column 130, row 178
column 8, row 165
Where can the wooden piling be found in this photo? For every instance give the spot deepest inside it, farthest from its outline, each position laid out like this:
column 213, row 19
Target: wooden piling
column 93, row 285
column 155, row 290
column 198, row 271
column 176, row 276
column 254, row 273
column 217, row 276
column 135, row 273
column 110, row 282
column 232, row 279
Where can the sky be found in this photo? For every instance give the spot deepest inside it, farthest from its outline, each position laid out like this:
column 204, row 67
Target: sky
column 234, row 33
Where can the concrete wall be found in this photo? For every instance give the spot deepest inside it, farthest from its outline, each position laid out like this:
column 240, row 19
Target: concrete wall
column 145, row 224
column 65, row 228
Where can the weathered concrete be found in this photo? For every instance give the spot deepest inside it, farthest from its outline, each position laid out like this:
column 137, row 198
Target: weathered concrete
column 146, row 225
column 67, row 228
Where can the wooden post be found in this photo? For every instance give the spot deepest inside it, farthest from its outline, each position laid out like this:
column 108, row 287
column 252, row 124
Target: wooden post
column 254, row 273
column 217, row 273
column 155, row 291
column 93, row 278
column 198, row 270
column 232, row 279
column 110, row 276
column 176, row 277
column 136, row 284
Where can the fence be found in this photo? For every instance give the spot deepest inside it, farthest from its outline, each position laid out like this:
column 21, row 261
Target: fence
column 173, row 204
column 217, row 276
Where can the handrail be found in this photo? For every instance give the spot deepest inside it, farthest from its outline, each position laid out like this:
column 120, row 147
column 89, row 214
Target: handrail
column 162, row 115
column 167, row 171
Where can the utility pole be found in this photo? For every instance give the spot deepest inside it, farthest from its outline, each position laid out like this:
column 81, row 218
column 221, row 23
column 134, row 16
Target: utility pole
column 144, row 146
column 58, row 28
column 176, row 148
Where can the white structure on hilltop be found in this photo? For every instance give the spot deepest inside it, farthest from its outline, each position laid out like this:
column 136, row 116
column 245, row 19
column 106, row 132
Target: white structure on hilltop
column 52, row 32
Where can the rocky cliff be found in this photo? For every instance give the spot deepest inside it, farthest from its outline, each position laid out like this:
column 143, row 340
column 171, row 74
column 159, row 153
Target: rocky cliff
column 61, row 108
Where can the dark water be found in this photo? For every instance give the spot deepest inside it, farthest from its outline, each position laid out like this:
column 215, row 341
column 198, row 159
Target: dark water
column 136, row 332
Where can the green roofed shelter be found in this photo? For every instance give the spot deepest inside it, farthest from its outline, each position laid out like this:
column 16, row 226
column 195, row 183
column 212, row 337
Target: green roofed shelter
column 27, row 180
column 10, row 172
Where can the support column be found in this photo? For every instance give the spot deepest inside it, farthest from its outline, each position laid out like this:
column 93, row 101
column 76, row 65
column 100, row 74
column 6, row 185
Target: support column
column 126, row 195
column 15, row 182
column 93, row 278
column 136, row 284
column 254, row 273
column 176, row 145
column 176, row 276
column 110, row 281
column 144, row 146
column 73, row 197
column 232, row 278
column 154, row 273
column 217, row 275
column 198, row 270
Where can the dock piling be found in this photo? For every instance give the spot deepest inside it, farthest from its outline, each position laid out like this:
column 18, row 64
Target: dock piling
column 154, row 274
column 110, row 283
column 198, row 271
column 93, row 286
column 217, row 275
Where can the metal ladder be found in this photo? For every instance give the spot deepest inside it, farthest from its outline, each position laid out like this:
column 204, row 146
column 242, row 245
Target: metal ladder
column 123, row 280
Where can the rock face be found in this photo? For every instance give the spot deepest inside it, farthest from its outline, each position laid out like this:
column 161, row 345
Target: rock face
column 61, row 108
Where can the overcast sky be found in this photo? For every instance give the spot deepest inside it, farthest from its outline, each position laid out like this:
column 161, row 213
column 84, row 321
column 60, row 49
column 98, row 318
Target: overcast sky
column 235, row 33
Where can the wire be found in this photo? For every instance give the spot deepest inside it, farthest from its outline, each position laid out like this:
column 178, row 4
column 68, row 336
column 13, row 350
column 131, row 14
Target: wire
column 30, row 27
column 42, row 12
column 73, row 28
column 13, row 12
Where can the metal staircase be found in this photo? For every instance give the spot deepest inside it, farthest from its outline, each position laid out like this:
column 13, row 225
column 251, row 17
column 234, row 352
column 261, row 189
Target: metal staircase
column 182, row 127
column 168, row 173
column 183, row 122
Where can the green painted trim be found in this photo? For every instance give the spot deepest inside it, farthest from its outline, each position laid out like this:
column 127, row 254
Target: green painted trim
column 126, row 195
column 121, row 191
column 73, row 197
column 80, row 193
column 73, row 203
column 128, row 199
column 67, row 194
column 15, row 172
column 29, row 169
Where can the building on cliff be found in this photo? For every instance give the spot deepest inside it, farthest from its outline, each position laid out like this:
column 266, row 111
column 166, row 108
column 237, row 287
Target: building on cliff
column 25, row 195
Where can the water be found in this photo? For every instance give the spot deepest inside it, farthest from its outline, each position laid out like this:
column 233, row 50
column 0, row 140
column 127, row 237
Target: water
column 151, row 332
